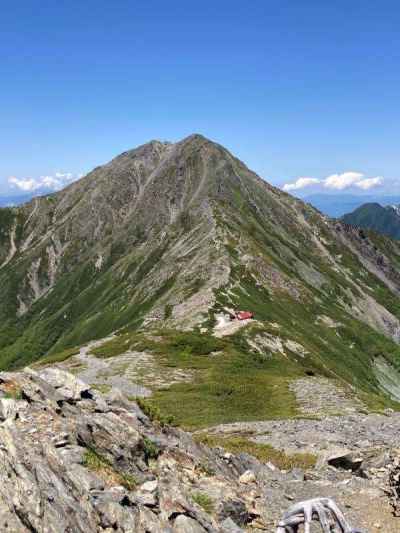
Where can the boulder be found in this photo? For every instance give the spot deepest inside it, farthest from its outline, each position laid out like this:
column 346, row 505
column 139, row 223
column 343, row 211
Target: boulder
column 66, row 384
column 229, row 526
column 234, row 509
column 185, row 524
column 247, row 477
column 346, row 461
column 10, row 408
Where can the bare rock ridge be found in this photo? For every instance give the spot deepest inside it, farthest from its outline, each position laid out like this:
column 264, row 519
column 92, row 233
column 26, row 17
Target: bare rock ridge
column 73, row 460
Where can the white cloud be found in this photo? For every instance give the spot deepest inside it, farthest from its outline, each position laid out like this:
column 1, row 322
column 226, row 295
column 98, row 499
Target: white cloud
column 342, row 181
column 27, row 184
column 369, row 183
column 337, row 182
column 300, row 183
column 52, row 183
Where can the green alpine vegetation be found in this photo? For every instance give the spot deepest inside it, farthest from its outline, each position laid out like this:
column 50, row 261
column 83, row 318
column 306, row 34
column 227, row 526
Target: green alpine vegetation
column 264, row 452
column 162, row 247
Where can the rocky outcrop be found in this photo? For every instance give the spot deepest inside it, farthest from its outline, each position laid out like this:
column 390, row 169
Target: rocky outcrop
column 72, row 460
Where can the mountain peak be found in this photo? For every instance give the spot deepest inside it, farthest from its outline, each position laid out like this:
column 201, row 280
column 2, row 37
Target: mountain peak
column 176, row 272
column 195, row 137
column 182, row 235
column 374, row 216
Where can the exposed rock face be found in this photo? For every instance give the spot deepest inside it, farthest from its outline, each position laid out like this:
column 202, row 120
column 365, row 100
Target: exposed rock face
column 73, row 461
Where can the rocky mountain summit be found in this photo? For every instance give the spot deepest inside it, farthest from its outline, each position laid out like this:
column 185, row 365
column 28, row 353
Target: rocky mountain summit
column 177, row 237
column 74, row 460
column 173, row 286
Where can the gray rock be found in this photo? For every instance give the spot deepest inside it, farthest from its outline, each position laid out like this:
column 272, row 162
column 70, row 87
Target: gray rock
column 66, row 384
column 149, row 486
column 185, row 524
column 346, row 461
column 74, row 461
column 234, row 509
column 247, row 477
column 10, row 408
column 229, row 526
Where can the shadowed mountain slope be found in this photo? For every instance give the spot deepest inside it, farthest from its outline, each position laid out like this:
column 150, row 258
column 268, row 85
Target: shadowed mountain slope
column 385, row 220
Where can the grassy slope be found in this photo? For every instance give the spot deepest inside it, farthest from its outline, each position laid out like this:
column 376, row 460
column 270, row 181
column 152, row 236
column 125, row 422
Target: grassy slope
column 232, row 383
column 84, row 305
column 344, row 353
column 87, row 303
column 244, row 386
column 264, row 452
column 237, row 383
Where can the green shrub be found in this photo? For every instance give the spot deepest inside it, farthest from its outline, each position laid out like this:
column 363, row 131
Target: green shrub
column 153, row 412
column 95, row 462
column 263, row 452
column 151, row 450
column 168, row 308
column 58, row 357
column 204, row 500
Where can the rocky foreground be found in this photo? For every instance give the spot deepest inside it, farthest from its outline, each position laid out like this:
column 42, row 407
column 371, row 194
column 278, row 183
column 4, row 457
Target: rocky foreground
column 73, row 460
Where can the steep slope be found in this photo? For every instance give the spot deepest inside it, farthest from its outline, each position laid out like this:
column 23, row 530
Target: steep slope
column 385, row 220
column 174, row 235
column 101, row 253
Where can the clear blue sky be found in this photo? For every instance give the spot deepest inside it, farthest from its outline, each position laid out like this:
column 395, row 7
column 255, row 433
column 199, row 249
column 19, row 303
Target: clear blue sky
column 294, row 88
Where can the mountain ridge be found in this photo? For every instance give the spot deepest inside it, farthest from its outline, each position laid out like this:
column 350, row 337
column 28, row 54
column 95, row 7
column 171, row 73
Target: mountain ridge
column 173, row 236
column 336, row 205
column 374, row 216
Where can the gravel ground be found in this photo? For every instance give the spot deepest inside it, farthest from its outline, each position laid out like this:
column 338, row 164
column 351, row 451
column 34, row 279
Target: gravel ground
column 135, row 374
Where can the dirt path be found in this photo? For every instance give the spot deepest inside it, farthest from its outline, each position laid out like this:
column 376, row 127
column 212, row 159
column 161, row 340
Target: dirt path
column 135, row 374
column 96, row 371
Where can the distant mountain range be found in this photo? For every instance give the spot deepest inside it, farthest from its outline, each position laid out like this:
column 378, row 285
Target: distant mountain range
column 19, row 199
column 385, row 220
column 337, row 205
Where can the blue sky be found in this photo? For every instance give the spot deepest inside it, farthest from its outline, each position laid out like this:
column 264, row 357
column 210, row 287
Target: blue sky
column 294, row 88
